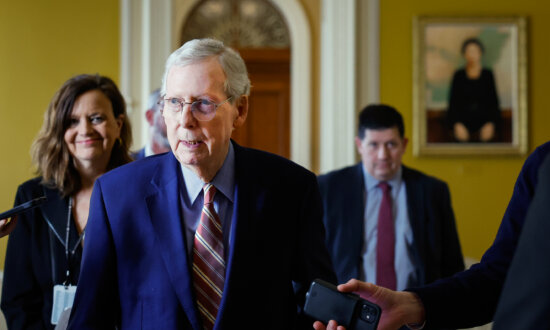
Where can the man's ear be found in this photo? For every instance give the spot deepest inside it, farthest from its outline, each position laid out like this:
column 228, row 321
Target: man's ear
column 150, row 116
column 405, row 142
column 358, row 144
column 242, row 109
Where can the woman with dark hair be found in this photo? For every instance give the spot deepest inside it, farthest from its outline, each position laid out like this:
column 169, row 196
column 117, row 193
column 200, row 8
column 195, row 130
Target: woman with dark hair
column 474, row 112
column 85, row 134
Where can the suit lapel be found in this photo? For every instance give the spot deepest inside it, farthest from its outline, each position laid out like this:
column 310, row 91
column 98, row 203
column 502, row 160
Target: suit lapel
column 416, row 212
column 167, row 220
column 55, row 212
column 356, row 196
column 240, row 226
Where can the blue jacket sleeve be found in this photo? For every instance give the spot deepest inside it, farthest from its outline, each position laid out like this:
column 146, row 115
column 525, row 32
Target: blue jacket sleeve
column 96, row 304
column 470, row 298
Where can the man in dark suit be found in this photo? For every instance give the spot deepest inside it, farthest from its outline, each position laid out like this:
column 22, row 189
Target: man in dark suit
column 525, row 299
column 426, row 245
column 157, row 142
column 469, row 298
column 210, row 235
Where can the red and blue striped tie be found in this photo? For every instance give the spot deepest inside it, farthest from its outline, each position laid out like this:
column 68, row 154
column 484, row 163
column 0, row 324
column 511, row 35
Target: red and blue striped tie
column 208, row 260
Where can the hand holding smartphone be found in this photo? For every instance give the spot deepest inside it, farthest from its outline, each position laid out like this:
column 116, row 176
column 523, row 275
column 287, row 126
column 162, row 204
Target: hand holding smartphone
column 22, row 207
column 324, row 303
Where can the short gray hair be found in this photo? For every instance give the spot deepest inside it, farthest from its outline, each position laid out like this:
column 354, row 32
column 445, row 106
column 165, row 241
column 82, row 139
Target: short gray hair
column 193, row 51
column 153, row 100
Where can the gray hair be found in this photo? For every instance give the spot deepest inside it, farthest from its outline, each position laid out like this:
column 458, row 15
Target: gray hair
column 196, row 50
column 153, row 100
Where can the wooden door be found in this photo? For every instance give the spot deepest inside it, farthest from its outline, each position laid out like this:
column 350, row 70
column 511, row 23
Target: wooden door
column 267, row 126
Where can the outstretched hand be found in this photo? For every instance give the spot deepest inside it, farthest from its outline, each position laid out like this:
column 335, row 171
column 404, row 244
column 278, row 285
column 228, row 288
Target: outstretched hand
column 398, row 308
column 7, row 225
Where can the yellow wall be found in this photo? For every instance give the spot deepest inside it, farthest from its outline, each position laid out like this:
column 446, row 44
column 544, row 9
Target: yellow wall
column 42, row 44
column 480, row 186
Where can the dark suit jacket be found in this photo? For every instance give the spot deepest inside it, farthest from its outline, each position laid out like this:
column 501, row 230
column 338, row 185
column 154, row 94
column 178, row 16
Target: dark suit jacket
column 525, row 299
column 138, row 154
column 479, row 287
column 437, row 249
column 35, row 259
column 136, row 269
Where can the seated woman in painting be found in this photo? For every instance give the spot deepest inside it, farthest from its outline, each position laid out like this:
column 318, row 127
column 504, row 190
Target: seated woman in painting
column 474, row 112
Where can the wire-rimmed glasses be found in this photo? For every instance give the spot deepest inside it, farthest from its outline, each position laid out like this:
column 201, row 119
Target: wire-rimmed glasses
column 202, row 109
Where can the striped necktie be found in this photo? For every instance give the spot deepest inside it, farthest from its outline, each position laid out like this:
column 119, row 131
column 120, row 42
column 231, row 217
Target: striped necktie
column 385, row 246
column 208, row 260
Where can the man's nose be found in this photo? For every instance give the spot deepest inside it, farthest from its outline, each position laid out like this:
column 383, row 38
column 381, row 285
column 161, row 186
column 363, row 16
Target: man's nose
column 382, row 152
column 186, row 117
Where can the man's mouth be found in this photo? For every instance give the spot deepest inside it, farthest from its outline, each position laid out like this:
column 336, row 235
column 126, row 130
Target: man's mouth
column 191, row 143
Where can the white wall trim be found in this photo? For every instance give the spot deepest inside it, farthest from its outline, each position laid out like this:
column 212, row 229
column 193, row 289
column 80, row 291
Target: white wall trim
column 338, row 83
column 149, row 33
column 372, row 52
column 145, row 43
column 300, row 79
column 349, row 75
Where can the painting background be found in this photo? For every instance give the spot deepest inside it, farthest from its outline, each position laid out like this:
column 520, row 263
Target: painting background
column 443, row 57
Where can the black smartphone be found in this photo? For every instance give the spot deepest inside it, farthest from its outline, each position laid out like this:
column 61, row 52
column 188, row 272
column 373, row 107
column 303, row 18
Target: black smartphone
column 324, row 303
column 23, row 207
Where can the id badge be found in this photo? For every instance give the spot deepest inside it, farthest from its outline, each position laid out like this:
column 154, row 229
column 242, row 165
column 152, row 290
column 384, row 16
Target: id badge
column 63, row 297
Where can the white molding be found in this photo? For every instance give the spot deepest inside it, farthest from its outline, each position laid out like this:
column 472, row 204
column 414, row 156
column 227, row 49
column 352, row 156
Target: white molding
column 350, row 75
column 300, row 79
column 338, row 84
column 372, row 52
column 145, row 44
column 144, row 25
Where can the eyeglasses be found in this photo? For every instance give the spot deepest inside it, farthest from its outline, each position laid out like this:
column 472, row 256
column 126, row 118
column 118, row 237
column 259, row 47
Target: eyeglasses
column 203, row 110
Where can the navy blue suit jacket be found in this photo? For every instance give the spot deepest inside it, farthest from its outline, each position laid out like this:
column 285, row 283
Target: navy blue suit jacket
column 136, row 270
column 525, row 302
column 437, row 250
column 140, row 154
column 470, row 298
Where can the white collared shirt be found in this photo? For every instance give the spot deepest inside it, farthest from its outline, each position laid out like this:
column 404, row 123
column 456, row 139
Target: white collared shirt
column 404, row 239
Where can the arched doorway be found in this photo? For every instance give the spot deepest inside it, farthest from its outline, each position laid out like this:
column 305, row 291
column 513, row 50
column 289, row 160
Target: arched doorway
column 258, row 31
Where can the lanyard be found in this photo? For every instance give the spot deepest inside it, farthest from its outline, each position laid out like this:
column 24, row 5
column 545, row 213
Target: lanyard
column 70, row 253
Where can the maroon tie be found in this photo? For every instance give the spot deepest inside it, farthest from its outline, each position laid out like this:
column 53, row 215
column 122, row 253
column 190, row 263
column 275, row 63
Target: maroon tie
column 208, row 261
column 385, row 247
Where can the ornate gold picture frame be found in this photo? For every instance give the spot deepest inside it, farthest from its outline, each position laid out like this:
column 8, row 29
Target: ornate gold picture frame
column 469, row 86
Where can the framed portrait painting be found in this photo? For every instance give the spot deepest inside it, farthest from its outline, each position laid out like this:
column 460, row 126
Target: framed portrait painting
column 469, row 86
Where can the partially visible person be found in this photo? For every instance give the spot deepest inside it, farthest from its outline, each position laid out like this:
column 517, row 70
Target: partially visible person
column 85, row 134
column 468, row 298
column 211, row 234
column 525, row 299
column 7, row 226
column 421, row 243
column 473, row 112
column 157, row 142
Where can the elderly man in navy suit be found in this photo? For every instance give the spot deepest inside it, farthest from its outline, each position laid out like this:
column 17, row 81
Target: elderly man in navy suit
column 387, row 223
column 210, row 235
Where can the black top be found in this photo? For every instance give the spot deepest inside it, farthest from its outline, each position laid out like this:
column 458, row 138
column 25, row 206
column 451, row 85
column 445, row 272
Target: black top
column 525, row 302
column 479, row 287
column 35, row 258
column 473, row 102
